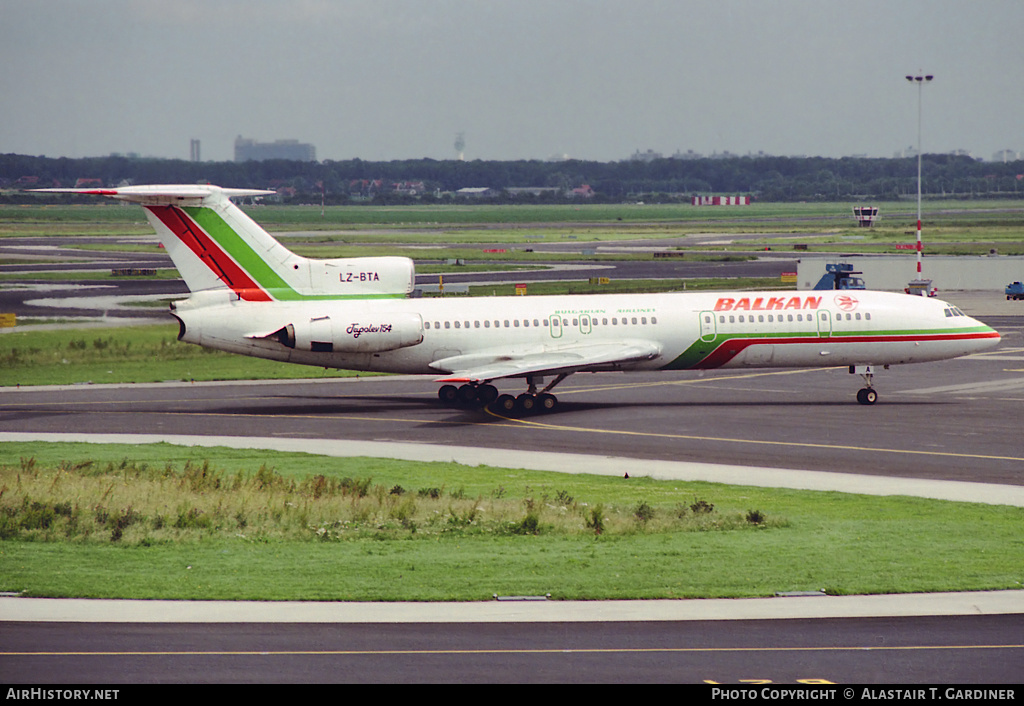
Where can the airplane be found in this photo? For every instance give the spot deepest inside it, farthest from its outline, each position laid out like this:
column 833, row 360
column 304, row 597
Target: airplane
column 250, row 295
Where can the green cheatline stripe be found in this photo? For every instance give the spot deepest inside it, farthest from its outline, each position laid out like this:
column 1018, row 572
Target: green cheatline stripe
column 255, row 266
column 232, row 243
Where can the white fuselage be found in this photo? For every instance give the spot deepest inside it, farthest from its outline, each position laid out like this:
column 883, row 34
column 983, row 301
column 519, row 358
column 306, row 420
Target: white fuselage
column 691, row 330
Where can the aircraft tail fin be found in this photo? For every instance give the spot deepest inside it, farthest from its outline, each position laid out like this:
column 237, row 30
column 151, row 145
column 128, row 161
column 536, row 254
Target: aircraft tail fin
column 216, row 246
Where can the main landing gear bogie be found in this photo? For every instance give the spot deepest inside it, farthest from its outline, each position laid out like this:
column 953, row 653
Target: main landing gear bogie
column 487, row 396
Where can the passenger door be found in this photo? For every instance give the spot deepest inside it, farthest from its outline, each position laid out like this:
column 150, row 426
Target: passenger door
column 708, row 327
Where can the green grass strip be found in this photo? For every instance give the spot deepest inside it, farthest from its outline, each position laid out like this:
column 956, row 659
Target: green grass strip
column 160, row 521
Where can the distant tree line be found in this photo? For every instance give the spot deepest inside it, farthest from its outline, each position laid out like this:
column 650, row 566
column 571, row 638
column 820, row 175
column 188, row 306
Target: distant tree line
column 399, row 181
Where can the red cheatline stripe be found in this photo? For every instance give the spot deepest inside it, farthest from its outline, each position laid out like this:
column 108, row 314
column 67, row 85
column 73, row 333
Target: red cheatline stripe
column 733, row 347
column 209, row 252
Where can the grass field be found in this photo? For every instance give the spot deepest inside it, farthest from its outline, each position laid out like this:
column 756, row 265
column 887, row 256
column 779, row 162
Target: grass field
column 170, row 522
column 115, row 218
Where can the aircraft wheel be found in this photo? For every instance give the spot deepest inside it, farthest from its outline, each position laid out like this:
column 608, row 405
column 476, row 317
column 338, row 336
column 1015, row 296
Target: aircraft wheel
column 505, row 403
column 526, row 403
column 448, row 394
column 486, row 394
column 547, row 402
column 467, row 394
column 867, row 395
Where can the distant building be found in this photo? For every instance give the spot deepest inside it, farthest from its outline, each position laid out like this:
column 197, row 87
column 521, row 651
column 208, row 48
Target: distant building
column 721, row 201
column 648, row 156
column 475, row 192
column 409, row 188
column 251, row 150
column 688, row 154
column 365, row 188
column 1005, row 156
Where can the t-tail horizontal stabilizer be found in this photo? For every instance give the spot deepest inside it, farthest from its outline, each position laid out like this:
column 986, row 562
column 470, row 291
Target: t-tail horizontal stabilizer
column 163, row 193
column 218, row 248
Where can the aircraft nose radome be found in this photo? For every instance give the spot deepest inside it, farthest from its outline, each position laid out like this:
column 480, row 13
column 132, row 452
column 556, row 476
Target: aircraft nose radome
column 989, row 336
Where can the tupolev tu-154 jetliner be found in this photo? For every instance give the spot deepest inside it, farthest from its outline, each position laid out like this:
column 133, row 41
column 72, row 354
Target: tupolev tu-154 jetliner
column 251, row 295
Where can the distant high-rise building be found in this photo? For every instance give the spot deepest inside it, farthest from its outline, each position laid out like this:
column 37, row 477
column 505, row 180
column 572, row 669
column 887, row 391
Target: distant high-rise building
column 193, row 151
column 247, row 149
column 1005, row 156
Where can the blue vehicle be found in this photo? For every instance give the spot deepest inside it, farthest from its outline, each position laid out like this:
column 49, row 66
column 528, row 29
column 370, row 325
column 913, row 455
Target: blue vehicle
column 840, row 275
column 1015, row 290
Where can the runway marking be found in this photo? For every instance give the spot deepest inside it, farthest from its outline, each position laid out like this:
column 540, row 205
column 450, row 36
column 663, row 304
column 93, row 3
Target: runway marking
column 996, row 353
column 694, row 381
column 991, row 385
column 723, row 439
column 497, row 651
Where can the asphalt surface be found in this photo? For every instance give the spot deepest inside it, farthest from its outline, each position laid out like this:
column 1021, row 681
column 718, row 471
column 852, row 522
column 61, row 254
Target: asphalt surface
column 926, row 650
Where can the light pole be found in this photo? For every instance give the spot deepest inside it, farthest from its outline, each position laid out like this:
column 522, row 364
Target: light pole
column 920, row 80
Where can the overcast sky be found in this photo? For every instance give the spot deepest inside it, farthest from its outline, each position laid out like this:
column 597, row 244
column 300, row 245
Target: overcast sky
column 522, row 79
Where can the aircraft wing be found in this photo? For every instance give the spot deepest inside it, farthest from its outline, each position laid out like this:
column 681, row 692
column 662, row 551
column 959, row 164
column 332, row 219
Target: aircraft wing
column 481, row 367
